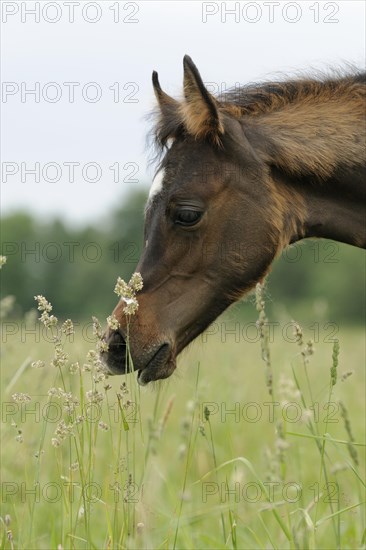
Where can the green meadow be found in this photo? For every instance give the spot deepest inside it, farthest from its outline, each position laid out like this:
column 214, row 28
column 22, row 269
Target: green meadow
column 256, row 441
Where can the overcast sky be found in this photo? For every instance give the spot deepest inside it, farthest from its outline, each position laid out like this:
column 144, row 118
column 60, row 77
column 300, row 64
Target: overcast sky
column 82, row 130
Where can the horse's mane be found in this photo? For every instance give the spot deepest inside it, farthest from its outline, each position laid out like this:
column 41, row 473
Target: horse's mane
column 266, row 97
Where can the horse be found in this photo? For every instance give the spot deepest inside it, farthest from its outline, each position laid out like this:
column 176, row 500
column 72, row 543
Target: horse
column 241, row 177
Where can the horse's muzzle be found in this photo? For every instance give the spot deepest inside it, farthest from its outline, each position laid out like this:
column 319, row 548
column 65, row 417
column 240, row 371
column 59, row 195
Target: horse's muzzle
column 155, row 363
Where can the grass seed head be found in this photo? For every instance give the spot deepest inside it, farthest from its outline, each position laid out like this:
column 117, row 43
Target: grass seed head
column 103, row 426
column 333, row 370
column 127, row 292
column 346, row 375
column 97, row 329
column 21, row 397
column 112, row 322
column 298, row 333
column 74, row 368
column 38, row 364
column 347, row 424
column 68, row 327
column 43, row 304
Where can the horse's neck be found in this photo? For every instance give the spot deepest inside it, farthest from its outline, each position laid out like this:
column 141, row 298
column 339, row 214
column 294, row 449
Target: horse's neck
column 332, row 209
column 316, row 151
column 336, row 210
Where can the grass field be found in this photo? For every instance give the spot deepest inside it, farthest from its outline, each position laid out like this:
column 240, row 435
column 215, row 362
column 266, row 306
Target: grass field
column 207, row 459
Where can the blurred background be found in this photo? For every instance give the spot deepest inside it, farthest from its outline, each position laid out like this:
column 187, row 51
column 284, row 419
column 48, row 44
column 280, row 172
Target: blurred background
column 76, row 93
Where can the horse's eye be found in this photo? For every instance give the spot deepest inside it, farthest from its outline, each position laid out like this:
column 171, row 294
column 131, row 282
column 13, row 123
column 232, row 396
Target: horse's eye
column 187, row 217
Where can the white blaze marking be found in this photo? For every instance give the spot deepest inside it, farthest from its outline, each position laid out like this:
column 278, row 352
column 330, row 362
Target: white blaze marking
column 157, row 184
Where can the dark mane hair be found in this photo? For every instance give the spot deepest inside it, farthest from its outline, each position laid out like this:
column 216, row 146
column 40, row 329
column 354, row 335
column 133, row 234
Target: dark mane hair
column 258, row 98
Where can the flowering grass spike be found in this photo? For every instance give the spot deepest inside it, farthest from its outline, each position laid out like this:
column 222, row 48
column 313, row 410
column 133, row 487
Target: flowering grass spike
column 127, row 292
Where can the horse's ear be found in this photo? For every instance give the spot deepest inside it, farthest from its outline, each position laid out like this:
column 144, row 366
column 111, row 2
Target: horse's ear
column 167, row 104
column 169, row 120
column 200, row 110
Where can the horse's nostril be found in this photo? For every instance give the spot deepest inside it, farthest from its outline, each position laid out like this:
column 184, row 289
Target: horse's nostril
column 115, row 357
column 116, row 339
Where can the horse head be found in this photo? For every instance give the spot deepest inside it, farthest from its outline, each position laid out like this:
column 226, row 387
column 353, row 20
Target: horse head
column 219, row 211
